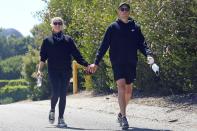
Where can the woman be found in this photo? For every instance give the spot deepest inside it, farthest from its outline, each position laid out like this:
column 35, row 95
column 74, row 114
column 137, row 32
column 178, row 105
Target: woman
column 58, row 50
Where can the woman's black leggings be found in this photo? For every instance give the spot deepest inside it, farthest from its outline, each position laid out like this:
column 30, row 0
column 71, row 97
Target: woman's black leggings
column 60, row 81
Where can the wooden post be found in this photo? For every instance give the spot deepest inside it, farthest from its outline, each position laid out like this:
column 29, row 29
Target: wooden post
column 75, row 81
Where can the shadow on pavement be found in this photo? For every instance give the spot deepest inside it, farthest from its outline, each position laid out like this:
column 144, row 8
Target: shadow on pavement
column 74, row 128
column 143, row 129
column 130, row 129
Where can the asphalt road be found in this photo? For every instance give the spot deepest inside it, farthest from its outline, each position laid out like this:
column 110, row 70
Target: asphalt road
column 33, row 116
column 28, row 117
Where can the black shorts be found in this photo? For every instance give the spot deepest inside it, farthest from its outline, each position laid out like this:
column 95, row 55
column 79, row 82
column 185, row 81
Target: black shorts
column 124, row 71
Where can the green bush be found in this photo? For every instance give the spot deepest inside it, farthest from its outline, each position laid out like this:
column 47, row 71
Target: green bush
column 3, row 83
column 170, row 28
column 14, row 93
column 13, row 82
column 10, row 68
column 17, row 82
column 6, row 100
column 30, row 63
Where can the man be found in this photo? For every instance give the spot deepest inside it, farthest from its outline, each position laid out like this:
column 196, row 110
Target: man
column 58, row 50
column 123, row 38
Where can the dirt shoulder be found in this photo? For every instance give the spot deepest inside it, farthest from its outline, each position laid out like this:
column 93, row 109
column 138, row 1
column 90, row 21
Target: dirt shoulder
column 186, row 102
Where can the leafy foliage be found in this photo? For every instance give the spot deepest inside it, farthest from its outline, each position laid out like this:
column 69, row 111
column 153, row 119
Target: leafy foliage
column 10, row 68
column 12, row 46
column 171, row 31
column 169, row 28
column 13, row 93
column 13, row 90
column 30, row 65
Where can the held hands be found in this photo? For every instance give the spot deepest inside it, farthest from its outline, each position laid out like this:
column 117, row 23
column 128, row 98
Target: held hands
column 91, row 69
column 150, row 60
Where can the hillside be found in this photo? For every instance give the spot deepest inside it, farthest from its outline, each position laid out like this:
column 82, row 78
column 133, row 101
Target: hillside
column 11, row 32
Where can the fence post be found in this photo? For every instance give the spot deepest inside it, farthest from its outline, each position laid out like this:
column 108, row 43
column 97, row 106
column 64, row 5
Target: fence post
column 75, row 81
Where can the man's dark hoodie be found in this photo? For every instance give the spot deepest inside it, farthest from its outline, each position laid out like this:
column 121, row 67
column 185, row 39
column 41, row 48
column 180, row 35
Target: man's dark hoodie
column 123, row 41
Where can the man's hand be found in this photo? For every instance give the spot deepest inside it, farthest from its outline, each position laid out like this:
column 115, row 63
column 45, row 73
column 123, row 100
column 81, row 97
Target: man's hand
column 150, row 60
column 93, row 68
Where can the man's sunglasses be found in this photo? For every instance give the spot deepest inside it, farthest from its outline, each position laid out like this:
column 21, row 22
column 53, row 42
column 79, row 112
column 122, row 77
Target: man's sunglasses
column 124, row 9
column 57, row 23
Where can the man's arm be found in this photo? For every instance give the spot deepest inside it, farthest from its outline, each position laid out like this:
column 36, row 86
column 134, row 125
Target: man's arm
column 104, row 46
column 144, row 49
column 142, row 45
column 102, row 50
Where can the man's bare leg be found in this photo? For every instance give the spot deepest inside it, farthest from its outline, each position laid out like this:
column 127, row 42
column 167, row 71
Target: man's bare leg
column 121, row 95
column 128, row 93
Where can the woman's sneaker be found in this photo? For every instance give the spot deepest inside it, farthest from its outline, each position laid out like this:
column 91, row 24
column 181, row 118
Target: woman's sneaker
column 119, row 119
column 61, row 123
column 51, row 117
column 125, row 124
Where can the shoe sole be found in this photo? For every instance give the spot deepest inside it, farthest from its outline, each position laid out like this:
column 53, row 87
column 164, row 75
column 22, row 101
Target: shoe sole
column 51, row 121
column 51, row 118
column 59, row 126
column 125, row 128
column 119, row 121
column 120, row 124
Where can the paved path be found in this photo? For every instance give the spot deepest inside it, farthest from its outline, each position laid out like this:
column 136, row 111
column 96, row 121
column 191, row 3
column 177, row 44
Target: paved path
column 96, row 113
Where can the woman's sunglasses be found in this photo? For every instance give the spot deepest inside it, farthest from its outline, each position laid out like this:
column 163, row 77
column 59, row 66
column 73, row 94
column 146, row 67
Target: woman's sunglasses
column 124, row 9
column 57, row 23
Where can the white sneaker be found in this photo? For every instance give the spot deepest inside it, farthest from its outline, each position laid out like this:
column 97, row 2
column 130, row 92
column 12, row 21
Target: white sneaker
column 61, row 123
column 119, row 119
column 51, row 117
column 125, row 124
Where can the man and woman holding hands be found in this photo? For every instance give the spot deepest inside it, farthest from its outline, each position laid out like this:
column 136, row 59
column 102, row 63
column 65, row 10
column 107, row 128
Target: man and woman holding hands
column 123, row 38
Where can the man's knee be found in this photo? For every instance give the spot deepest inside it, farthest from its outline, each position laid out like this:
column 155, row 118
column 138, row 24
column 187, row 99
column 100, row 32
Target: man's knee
column 121, row 83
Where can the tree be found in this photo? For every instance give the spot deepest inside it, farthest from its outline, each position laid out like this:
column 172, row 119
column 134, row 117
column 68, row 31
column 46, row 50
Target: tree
column 169, row 28
column 11, row 68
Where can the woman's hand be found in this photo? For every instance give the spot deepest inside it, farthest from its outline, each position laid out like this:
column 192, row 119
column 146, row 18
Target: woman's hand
column 40, row 73
column 93, row 68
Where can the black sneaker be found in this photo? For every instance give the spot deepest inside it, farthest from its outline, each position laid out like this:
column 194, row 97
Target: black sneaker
column 125, row 124
column 119, row 119
column 61, row 123
column 51, row 117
